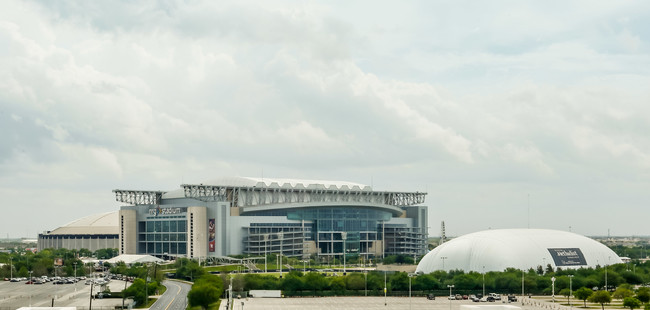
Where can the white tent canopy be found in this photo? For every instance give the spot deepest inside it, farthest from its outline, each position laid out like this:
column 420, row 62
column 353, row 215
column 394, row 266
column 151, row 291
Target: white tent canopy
column 130, row 259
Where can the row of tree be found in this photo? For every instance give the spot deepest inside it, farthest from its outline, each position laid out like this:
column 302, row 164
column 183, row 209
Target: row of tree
column 508, row 281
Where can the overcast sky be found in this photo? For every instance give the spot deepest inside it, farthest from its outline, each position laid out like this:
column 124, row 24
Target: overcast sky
column 509, row 114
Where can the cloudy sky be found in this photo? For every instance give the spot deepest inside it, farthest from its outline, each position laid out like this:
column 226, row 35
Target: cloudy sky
column 509, row 114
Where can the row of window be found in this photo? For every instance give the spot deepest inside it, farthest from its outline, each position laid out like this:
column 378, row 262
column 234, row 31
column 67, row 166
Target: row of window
column 162, row 226
column 162, row 237
column 162, row 248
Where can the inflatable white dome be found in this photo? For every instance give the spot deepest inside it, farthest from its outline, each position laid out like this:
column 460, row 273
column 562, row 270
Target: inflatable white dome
column 496, row 250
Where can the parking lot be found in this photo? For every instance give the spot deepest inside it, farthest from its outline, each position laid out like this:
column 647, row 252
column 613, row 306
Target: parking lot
column 359, row 303
column 18, row 294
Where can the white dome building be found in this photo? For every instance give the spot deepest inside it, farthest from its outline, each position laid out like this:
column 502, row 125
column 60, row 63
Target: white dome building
column 94, row 232
column 496, row 250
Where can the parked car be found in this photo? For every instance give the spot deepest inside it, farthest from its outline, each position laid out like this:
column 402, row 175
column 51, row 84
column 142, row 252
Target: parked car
column 474, row 298
column 451, row 297
column 512, row 298
column 431, row 297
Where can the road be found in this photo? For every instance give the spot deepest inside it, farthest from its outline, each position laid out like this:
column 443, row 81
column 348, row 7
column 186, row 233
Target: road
column 174, row 298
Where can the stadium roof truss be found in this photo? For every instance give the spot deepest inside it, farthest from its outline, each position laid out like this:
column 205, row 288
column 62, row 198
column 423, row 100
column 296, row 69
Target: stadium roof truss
column 138, row 197
column 252, row 196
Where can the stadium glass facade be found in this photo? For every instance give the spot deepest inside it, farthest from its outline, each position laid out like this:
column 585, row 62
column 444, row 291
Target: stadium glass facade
column 257, row 217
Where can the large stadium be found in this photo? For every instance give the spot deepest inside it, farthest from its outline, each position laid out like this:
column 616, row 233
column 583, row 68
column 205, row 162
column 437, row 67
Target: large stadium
column 255, row 216
column 94, row 232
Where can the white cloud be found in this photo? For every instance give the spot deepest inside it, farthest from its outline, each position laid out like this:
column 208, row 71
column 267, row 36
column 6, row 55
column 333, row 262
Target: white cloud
column 490, row 101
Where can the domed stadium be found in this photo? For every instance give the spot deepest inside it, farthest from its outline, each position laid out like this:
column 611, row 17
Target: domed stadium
column 94, row 232
column 499, row 249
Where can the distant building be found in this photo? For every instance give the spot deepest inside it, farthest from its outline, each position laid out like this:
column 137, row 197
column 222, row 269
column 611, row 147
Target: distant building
column 256, row 216
column 94, row 232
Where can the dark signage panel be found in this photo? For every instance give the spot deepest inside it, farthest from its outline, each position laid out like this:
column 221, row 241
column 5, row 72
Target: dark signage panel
column 568, row 257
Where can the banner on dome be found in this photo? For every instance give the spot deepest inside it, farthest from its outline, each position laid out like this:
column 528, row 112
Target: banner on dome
column 567, row 257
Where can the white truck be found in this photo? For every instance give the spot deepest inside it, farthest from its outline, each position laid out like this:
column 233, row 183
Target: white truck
column 265, row 293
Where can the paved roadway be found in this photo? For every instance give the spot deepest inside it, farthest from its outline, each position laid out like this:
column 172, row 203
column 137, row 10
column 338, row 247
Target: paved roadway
column 174, row 298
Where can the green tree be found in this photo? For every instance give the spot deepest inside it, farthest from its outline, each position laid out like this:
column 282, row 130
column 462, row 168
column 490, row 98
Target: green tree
column 137, row 290
column 399, row 281
column 355, row 281
column 292, row 282
column 622, row 293
column 631, row 302
column 202, row 294
column 188, row 269
column 583, row 293
column 205, row 291
column 337, row 284
column 643, row 294
column 601, row 297
column 315, row 281
column 425, row 282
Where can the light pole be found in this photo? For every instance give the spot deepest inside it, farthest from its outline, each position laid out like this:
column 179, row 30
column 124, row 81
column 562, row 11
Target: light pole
column 450, row 287
column 522, row 285
column 365, row 284
column 266, row 237
column 280, row 236
column 75, row 276
column 553, row 288
column 31, row 282
column 443, row 261
column 608, row 258
column 483, row 281
column 570, row 289
column 11, row 267
column 410, row 276
column 385, row 301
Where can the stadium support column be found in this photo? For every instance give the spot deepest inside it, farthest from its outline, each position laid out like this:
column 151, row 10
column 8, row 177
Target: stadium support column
column 128, row 231
column 383, row 240
column 197, row 228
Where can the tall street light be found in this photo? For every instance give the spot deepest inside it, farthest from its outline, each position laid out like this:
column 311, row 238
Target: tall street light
column 450, row 287
column 608, row 258
column 570, row 288
column 365, row 276
column 483, row 281
column 11, row 267
column 410, row 276
column 280, row 236
column 385, row 301
column 31, row 282
column 553, row 288
column 443, row 261
column 75, row 276
column 266, row 237
column 522, row 285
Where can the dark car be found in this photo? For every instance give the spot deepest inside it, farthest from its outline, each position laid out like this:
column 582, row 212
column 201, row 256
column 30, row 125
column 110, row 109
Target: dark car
column 512, row 298
column 431, row 297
